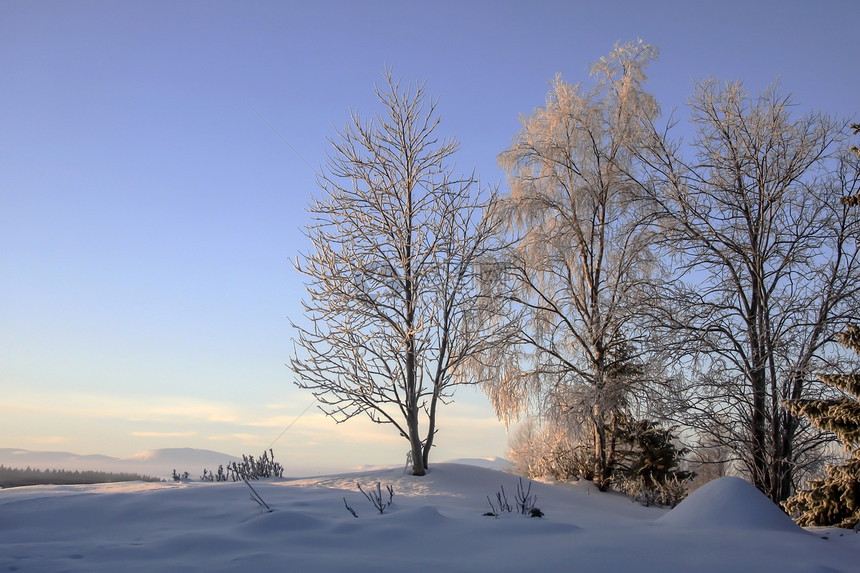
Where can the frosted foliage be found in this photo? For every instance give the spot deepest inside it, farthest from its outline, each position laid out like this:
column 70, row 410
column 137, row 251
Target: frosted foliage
column 579, row 259
column 539, row 451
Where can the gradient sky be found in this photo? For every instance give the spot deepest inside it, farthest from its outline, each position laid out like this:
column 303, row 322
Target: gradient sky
column 149, row 216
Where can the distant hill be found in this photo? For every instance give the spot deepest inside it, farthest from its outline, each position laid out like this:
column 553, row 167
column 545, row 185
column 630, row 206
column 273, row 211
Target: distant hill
column 19, row 458
column 494, row 463
column 159, row 463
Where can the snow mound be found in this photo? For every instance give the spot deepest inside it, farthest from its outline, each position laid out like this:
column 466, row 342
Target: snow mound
column 494, row 463
column 729, row 502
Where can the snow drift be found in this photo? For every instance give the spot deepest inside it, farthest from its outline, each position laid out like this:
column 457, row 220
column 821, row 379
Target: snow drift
column 435, row 523
column 729, row 502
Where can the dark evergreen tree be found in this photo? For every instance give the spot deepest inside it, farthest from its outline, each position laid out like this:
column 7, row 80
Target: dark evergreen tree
column 646, row 453
column 834, row 499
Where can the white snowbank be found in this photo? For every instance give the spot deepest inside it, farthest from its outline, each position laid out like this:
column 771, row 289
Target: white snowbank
column 494, row 463
column 729, row 502
column 435, row 523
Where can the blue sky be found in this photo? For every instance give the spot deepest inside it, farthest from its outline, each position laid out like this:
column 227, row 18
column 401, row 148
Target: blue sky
column 149, row 216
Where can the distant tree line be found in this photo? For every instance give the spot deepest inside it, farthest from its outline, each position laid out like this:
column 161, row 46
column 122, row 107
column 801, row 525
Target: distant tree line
column 15, row 477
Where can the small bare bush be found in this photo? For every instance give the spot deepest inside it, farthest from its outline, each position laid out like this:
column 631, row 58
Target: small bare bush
column 524, row 502
column 376, row 498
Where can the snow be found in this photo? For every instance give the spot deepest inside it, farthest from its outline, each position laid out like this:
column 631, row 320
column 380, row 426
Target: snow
column 729, row 502
column 435, row 522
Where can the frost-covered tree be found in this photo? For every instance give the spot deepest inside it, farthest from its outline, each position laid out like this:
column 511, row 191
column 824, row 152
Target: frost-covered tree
column 834, row 499
column 766, row 270
column 580, row 261
column 393, row 309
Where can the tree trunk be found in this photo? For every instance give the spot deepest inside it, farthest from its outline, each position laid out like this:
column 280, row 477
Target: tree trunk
column 413, row 410
column 758, row 380
column 601, row 469
column 760, row 467
column 415, row 443
column 431, row 431
column 783, row 473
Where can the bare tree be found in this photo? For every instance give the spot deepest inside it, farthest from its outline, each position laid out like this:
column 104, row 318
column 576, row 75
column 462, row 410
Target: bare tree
column 581, row 259
column 392, row 305
column 766, row 270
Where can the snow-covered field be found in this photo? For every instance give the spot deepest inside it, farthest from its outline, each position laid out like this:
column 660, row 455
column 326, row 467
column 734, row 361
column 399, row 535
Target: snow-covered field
column 435, row 523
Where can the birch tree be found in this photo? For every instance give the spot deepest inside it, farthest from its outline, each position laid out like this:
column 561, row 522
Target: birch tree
column 766, row 270
column 392, row 310
column 581, row 260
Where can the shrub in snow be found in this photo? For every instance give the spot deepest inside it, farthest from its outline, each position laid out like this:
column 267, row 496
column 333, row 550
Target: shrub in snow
column 255, row 468
column 524, row 502
column 220, row 475
column 349, row 508
column 376, row 497
column 501, row 505
column 250, row 468
column 178, row 477
column 256, row 498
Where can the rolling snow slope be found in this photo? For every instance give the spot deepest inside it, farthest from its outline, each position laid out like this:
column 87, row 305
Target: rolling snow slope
column 435, row 522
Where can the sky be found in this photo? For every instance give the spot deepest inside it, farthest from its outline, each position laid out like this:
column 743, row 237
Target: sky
column 150, row 214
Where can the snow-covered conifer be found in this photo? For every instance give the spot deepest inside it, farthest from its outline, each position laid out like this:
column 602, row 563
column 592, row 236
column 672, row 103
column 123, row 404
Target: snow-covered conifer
column 834, row 499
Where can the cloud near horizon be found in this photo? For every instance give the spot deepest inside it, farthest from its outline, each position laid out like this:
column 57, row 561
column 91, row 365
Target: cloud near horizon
column 163, row 434
column 170, row 421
